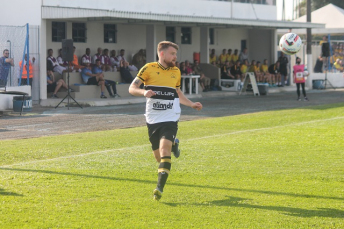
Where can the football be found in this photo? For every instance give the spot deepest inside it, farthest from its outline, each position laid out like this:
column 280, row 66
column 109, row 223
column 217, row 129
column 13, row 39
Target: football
column 290, row 43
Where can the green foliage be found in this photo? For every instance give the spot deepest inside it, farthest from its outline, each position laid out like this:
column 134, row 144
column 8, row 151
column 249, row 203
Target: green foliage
column 276, row 169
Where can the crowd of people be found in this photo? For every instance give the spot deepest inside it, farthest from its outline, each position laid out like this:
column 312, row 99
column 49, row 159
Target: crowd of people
column 235, row 66
column 92, row 68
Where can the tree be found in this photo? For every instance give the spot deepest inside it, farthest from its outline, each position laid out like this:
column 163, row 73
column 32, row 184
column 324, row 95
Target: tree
column 316, row 4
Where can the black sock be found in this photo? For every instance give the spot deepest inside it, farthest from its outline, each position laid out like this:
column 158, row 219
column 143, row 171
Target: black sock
column 163, row 171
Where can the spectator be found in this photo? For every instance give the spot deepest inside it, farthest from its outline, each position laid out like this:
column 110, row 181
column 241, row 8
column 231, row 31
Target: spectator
column 188, row 67
column 264, row 69
column 243, row 69
column 105, row 60
column 60, row 60
column 235, row 56
column 318, row 65
column 75, row 63
column 54, row 86
column 93, row 79
column 121, row 56
column 5, row 65
column 299, row 78
column 229, row 55
column 223, row 57
column 212, row 57
column 177, row 64
column 259, row 74
column 283, row 60
column 184, row 72
column 24, row 71
column 86, row 58
column 97, row 69
column 235, row 70
column 226, row 71
column 97, row 55
column 244, row 55
column 115, row 64
column 253, row 68
column 204, row 81
column 338, row 65
column 54, row 65
column 125, row 73
column 274, row 70
column 139, row 59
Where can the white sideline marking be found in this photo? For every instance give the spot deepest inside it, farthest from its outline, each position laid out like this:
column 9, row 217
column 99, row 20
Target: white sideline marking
column 146, row 145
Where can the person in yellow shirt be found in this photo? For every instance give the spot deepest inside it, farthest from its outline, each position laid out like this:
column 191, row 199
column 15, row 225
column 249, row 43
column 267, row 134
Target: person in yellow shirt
column 253, row 68
column 235, row 55
column 243, row 69
column 223, row 57
column 264, row 69
column 212, row 57
column 229, row 55
column 338, row 65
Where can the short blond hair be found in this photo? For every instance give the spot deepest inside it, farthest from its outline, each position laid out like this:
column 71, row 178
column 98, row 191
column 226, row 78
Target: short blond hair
column 163, row 45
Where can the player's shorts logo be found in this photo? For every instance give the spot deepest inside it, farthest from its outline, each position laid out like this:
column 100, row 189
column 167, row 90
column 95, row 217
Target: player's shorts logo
column 162, row 106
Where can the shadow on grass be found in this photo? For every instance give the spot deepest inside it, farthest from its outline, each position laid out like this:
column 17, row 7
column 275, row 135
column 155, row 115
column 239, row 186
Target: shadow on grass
column 298, row 212
column 173, row 183
column 4, row 193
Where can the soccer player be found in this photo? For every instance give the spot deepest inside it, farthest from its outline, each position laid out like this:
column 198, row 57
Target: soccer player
column 163, row 97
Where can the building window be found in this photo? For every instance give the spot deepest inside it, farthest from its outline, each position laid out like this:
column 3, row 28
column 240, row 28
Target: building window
column 211, row 36
column 186, row 35
column 110, row 33
column 170, row 34
column 58, row 31
column 79, row 32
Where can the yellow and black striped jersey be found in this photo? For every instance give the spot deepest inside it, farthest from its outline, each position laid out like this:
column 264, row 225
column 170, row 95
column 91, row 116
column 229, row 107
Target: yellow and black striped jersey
column 164, row 106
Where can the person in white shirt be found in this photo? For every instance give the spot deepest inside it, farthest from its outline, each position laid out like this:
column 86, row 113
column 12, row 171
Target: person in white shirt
column 97, row 55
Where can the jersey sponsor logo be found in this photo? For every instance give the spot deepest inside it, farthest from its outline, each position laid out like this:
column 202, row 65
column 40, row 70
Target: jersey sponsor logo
column 162, row 106
column 142, row 71
column 164, row 93
column 173, row 76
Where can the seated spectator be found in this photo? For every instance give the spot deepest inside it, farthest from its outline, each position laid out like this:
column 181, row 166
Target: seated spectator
column 60, row 60
column 177, row 64
column 243, row 69
column 93, row 79
column 235, row 56
column 55, row 66
column 223, row 57
column 226, row 71
column 218, row 64
column 212, row 56
column 235, row 70
column 318, row 65
column 97, row 55
column 274, row 70
column 182, row 69
column 184, row 72
column 54, row 86
column 125, row 73
column 97, row 69
column 256, row 70
column 24, row 71
column 86, row 58
column 75, row 63
column 115, row 64
column 188, row 68
column 121, row 56
column 204, row 81
column 259, row 73
column 338, row 65
column 264, row 69
column 229, row 55
column 105, row 60
column 139, row 59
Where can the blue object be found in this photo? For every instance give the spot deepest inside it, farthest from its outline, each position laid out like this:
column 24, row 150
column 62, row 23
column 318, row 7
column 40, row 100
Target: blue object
column 318, row 84
column 17, row 103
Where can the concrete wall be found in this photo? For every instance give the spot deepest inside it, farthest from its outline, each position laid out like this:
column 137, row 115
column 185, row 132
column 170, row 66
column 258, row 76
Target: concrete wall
column 260, row 45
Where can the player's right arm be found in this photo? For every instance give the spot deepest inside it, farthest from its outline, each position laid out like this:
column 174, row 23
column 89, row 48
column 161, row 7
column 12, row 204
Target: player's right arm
column 135, row 89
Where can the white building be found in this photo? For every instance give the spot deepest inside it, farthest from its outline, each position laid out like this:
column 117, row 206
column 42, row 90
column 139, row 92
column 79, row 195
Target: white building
column 196, row 25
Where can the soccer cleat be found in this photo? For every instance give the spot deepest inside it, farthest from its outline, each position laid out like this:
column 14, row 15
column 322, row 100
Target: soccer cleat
column 175, row 148
column 299, row 99
column 305, row 99
column 157, row 194
column 103, row 97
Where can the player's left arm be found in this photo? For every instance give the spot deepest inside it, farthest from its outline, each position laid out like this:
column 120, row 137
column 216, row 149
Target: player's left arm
column 185, row 101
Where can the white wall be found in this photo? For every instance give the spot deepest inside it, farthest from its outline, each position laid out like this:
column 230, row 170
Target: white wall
column 260, row 45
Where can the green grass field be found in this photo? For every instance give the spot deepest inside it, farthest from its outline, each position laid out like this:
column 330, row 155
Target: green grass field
column 276, row 169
